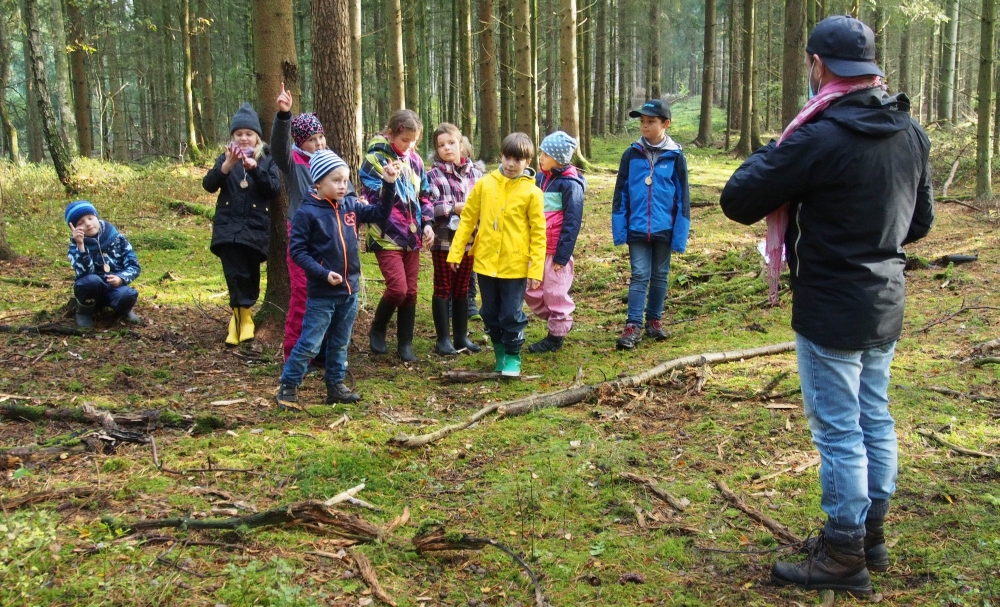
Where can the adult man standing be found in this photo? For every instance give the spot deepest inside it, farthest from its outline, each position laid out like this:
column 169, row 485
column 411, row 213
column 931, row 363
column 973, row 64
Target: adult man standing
column 845, row 187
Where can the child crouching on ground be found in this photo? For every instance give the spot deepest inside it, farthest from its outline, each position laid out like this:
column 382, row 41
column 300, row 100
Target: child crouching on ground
column 509, row 250
column 563, row 188
column 105, row 265
column 324, row 243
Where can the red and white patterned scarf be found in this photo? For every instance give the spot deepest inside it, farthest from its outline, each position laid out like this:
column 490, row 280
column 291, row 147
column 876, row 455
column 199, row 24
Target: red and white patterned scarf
column 777, row 221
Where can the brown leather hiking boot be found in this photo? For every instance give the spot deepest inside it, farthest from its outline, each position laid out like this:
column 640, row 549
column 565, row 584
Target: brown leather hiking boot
column 829, row 566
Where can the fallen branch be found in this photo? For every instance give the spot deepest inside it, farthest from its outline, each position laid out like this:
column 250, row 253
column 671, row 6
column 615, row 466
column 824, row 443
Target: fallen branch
column 25, row 282
column 956, row 448
column 988, row 347
column 368, row 575
column 663, row 494
column 573, row 395
column 986, row 360
column 951, row 177
column 83, row 415
column 438, row 540
column 48, row 496
column 344, row 496
column 778, row 530
column 968, row 395
column 959, row 203
column 50, row 328
column 963, row 308
column 471, row 377
column 312, row 513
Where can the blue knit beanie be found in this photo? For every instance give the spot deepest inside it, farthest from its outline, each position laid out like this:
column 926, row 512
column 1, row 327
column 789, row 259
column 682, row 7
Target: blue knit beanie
column 560, row 146
column 77, row 209
column 322, row 162
column 245, row 118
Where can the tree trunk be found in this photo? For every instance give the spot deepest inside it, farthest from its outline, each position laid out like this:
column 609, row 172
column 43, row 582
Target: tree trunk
column 333, row 78
column 704, row 137
column 36, row 147
column 905, row 39
column 81, row 91
column 357, row 105
column 465, row 66
column 524, row 120
column 410, row 50
column 276, row 62
column 792, row 67
column 984, row 186
column 569, row 108
column 489, row 146
column 505, row 35
column 744, row 146
column 654, row 91
column 189, row 131
column 625, row 81
column 734, row 106
column 453, row 75
column 878, row 27
column 169, row 90
column 394, row 36
column 810, row 17
column 949, row 61
column 205, row 75
column 598, row 124
column 57, row 149
column 117, row 130
column 9, row 131
column 67, row 128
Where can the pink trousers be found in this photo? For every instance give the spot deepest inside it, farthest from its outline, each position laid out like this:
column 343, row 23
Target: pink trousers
column 296, row 303
column 551, row 301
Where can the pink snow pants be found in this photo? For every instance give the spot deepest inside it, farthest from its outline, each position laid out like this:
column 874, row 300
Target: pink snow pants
column 296, row 303
column 551, row 301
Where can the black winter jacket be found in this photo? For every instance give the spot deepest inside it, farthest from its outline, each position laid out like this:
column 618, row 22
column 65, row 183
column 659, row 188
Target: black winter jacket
column 858, row 181
column 242, row 216
column 325, row 238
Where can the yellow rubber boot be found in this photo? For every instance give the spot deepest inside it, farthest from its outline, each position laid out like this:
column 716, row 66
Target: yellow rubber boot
column 246, row 325
column 233, row 339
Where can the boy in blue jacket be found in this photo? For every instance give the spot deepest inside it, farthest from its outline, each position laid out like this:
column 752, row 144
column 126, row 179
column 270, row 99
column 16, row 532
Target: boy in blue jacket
column 324, row 243
column 104, row 263
column 563, row 188
column 651, row 213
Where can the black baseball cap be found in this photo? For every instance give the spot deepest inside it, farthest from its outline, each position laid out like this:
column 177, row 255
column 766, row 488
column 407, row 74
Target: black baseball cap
column 653, row 107
column 846, row 46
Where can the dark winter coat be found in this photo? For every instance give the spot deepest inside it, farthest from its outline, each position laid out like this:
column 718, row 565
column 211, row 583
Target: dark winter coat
column 563, row 188
column 325, row 238
column 242, row 216
column 109, row 247
column 859, row 184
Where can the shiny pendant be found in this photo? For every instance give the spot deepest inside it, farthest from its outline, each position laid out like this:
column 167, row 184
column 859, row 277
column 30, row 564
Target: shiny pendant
column 244, row 184
column 649, row 180
column 413, row 228
column 107, row 268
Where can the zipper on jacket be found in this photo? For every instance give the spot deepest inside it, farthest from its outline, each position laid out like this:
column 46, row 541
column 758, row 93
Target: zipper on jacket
column 343, row 246
column 798, row 237
column 649, row 202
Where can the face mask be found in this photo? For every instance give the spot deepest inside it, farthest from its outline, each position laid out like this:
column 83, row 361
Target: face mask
column 809, row 80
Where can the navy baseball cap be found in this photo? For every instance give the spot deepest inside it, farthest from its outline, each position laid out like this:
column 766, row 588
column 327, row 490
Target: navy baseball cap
column 846, row 46
column 653, row 107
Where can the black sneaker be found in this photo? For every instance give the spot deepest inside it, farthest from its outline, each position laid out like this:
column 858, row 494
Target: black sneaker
column 287, row 398
column 550, row 343
column 339, row 393
column 654, row 330
column 631, row 337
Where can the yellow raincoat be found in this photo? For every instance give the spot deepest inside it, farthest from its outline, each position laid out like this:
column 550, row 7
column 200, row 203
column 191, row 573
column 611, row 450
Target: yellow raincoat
column 511, row 219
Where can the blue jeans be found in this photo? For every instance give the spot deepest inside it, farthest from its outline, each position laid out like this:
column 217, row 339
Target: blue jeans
column 505, row 321
column 847, row 404
column 92, row 290
column 335, row 313
column 650, row 265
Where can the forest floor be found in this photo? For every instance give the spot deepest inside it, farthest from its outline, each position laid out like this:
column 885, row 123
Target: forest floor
column 547, row 484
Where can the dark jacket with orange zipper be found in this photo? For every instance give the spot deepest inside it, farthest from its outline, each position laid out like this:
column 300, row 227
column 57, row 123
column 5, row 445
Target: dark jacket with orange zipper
column 325, row 239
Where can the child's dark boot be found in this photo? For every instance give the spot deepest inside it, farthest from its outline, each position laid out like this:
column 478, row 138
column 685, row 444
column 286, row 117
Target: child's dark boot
column 406, row 317
column 380, row 322
column 550, row 343
column 339, row 393
column 460, row 325
column 85, row 315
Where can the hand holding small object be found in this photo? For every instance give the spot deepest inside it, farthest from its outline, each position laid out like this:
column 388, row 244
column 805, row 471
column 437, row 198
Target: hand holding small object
column 334, row 279
column 390, row 172
column 428, row 235
column 232, row 157
column 534, row 283
column 77, row 236
column 284, row 99
column 454, row 266
column 557, row 267
column 249, row 163
column 114, row 281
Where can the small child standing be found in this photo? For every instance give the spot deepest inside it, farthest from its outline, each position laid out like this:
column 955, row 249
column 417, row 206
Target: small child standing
column 563, row 187
column 324, row 244
column 451, row 179
column 651, row 213
column 247, row 180
column 104, row 263
column 509, row 250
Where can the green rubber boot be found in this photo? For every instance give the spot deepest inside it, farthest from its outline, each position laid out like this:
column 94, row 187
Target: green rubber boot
column 511, row 365
column 501, row 354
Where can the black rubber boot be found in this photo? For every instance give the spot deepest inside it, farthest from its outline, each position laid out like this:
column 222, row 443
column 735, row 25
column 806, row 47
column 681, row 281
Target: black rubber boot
column 876, row 553
column 460, row 324
column 406, row 316
column 339, row 393
column 828, row 566
column 376, row 335
column 550, row 343
column 85, row 316
column 439, row 309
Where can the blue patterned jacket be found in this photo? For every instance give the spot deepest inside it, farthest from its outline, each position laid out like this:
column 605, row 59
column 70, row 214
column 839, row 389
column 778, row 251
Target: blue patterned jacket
column 109, row 247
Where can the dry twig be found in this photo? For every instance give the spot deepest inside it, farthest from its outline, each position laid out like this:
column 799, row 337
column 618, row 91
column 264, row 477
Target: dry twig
column 777, row 529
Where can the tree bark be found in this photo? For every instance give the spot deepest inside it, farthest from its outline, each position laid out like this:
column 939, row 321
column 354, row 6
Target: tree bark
column 905, row 39
column 465, row 67
column 654, row 91
column 189, row 130
column 524, row 116
column 57, row 149
column 352, row 154
column 734, row 106
column 505, row 35
column 67, row 128
column 333, row 74
column 412, row 68
column 984, row 185
column 36, row 148
column 9, row 131
column 704, row 137
column 169, row 89
column 489, row 146
column 949, row 59
column 744, row 147
column 205, row 75
column 569, row 107
column 626, row 83
column 276, row 62
column 585, row 76
column 792, row 67
column 598, row 124
column 396, row 76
